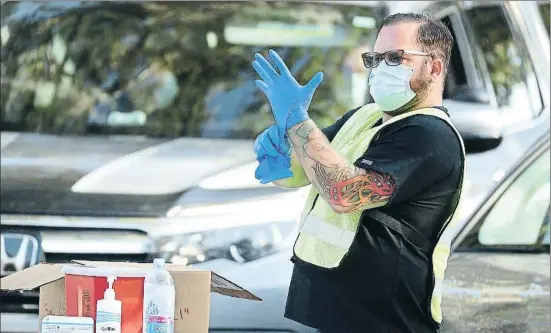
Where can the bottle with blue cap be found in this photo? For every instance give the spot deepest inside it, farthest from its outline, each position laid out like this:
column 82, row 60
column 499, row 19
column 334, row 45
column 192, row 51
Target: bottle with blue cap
column 159, row 300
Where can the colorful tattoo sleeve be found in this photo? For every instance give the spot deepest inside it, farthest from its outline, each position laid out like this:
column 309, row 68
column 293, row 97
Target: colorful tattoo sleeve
column 344, row 186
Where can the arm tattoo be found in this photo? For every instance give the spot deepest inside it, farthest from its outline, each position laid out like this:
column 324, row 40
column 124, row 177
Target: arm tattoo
column 362, row 191
column 345, row 187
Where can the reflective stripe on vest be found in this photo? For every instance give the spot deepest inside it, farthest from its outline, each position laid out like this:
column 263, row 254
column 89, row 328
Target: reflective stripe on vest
column 329, row 232
column 325, row 236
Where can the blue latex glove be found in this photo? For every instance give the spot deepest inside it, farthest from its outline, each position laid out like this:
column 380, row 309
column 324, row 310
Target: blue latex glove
column 273, row 168
column 289, row 100
column 273, row 154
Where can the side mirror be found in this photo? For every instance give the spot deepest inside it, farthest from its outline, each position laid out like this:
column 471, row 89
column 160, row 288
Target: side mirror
column 478, row 123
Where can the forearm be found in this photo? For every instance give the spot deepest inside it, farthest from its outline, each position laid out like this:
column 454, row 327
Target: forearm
column 344, row 186
column 299, row 178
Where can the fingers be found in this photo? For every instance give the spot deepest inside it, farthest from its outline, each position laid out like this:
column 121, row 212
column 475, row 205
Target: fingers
column 262, row 86
column 271, row 169
column 278, row 140
column 279, row 63
column 263, row 146
column 314, row 83
column 262, row 170
column 268, row 145
column 265, row 65
column 258, row 148
column 261, row 72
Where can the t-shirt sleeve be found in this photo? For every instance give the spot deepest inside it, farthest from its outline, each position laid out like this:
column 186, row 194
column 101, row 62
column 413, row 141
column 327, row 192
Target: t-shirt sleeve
column 417, row 154
column 331, row 130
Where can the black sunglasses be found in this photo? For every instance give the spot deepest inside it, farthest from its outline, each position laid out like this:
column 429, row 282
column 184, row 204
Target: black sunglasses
column 392, row 57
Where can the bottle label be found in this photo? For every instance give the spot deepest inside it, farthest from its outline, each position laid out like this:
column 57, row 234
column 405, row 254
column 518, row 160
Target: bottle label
column 108, row 327
column 108, row 322
column 107, row 317
column 159, row 309
column 159, row 324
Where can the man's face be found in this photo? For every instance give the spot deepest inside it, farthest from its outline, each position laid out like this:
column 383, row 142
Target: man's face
column 403, row 36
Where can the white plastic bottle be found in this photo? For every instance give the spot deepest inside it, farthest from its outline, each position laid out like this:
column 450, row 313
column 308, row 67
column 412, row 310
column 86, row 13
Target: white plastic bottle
column 108, row 314
column 159, row 300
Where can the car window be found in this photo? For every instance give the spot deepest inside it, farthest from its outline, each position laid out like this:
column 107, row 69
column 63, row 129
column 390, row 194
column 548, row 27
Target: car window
column 510, row 69
column 545, row 16
column 518, row 215
column 457, row 76
column 173, row 69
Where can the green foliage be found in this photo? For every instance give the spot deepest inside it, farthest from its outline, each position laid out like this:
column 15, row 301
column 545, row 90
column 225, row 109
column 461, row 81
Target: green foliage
column 544, row 11
column 505, row 61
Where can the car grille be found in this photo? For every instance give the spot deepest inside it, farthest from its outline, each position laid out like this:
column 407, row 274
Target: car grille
column 19, row 301
column 67, row 257
column 58, row 243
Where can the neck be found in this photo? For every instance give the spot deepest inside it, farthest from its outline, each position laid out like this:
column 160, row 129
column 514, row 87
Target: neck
column 427, row 103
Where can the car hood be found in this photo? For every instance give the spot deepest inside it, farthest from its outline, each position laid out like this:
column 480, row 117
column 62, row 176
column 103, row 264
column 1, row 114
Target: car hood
column 108, row 176
column 480, row 285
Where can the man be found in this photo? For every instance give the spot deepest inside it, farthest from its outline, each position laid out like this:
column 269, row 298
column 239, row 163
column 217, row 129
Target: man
column 386, row 179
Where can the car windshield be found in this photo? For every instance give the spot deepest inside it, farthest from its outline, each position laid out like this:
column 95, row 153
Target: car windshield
column 172, row 69
column 519, row 214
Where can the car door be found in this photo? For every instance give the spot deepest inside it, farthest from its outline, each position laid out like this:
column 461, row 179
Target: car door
column 493, row 89
column 515, row 82
column 498, row 276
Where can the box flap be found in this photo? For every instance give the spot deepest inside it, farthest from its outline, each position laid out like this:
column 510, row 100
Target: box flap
column 32, row 277
column 225, row 287
column 219, row 284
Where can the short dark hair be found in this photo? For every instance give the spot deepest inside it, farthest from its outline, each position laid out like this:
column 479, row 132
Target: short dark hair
column 433, row 36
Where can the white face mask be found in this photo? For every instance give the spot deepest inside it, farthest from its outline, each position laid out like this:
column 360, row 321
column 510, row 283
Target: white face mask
column 390, row 86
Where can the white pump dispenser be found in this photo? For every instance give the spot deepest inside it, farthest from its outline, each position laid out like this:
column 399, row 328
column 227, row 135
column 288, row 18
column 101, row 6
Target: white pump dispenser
column 108, row 314
column 110, row 292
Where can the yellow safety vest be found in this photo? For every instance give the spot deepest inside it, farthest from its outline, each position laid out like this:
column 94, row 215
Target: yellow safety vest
column 325, row 236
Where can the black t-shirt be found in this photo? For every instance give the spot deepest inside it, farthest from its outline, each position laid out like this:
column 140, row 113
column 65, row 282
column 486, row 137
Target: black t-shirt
column 384, row 283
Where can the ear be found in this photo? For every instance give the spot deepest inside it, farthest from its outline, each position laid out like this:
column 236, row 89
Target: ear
column 437, row 67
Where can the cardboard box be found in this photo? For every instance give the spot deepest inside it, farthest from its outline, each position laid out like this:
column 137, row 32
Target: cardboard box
column 193, row 288
column 85, row 286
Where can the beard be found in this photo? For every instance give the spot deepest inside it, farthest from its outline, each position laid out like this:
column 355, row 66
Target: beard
column 421, row 84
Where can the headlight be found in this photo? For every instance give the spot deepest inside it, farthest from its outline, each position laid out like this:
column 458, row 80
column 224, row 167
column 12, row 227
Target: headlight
column 241, row 231
column 241, row 244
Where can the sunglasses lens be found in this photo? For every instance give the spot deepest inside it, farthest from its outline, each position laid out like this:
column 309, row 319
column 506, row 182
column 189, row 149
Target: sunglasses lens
column 371, row 59
column 394, row 58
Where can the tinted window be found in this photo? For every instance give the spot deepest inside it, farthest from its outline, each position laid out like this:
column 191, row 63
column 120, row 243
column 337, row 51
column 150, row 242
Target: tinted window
column 172, row 69
column 518, row 215
column 511, row 71
column 457, row 77
column 544, row 10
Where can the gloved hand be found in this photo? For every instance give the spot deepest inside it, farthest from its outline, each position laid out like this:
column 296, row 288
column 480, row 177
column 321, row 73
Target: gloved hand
column 289, row 100
column 273, row 154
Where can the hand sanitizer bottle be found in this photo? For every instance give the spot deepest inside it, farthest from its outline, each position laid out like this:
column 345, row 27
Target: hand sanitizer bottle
column 159, row 300
column 108, row 315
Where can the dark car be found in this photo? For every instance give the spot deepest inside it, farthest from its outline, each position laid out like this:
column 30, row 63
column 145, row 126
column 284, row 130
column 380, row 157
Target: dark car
column 127, row 127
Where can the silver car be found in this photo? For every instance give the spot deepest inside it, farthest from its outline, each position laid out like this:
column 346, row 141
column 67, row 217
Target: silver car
column 127, row 128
